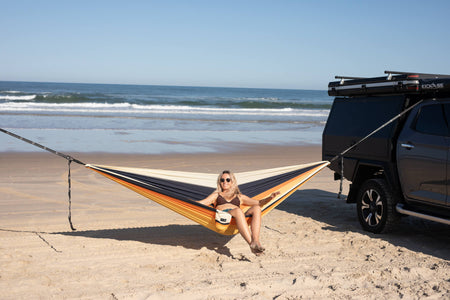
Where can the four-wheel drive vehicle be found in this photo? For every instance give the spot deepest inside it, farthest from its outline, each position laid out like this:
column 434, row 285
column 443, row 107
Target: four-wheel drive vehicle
column 394, row 133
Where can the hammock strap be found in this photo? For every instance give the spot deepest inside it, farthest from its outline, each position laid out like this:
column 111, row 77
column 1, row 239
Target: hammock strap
column 70, row 197
column 341, row 155
column 69, row 158
column 342, row 177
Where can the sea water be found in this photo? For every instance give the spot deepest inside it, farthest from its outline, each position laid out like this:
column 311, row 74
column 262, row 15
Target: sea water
column 70, row 117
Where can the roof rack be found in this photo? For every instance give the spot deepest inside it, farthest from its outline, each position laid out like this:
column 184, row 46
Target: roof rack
column 412, row 73
column 342, row 78
column 394, row 83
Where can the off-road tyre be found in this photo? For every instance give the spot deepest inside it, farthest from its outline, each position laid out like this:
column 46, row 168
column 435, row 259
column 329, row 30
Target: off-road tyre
column 375, row 206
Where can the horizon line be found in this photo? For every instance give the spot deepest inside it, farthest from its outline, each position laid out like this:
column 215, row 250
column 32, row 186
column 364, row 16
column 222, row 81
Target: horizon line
column 165, row 85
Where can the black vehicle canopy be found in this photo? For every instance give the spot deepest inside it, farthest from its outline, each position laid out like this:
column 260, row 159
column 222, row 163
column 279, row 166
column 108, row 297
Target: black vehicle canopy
column 393, row 83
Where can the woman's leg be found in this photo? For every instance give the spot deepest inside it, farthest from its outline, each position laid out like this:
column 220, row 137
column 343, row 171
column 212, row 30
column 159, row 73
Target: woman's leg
column 255, row 211
column 242, row 225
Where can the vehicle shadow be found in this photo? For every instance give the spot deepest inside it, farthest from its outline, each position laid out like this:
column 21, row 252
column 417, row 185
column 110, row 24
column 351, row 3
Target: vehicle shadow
column 188, row 236
column 412, row 233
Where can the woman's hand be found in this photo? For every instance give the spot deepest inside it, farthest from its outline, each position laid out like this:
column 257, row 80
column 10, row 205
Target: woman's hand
column 274, row 194
column 268, row 199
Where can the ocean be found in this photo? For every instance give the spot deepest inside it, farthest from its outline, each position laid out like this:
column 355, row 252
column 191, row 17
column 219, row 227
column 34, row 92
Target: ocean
column 150, row 119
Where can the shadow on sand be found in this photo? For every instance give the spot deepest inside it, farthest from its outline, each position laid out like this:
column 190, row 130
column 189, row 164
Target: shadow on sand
column 188, row 236
column 412, row 233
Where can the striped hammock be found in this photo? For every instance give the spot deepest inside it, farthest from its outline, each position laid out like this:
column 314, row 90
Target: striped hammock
column 180, row 191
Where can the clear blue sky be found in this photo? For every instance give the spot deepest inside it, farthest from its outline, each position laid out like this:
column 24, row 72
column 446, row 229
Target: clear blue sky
column 267, row 44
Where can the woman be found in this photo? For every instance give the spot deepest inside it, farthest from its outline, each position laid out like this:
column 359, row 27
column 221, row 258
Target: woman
column 228, row 198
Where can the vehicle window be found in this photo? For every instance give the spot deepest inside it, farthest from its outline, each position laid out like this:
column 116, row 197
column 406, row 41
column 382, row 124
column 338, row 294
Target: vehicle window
column 431, row 120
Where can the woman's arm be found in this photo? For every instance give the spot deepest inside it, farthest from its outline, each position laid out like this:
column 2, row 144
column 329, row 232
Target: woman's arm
column 210, row 199
column 251, row 202
column 269, row 198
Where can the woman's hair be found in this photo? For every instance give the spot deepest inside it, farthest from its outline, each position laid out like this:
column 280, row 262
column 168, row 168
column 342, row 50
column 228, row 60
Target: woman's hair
column 234, row 185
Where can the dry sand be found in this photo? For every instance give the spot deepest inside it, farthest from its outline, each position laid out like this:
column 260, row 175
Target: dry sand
column 126, row 247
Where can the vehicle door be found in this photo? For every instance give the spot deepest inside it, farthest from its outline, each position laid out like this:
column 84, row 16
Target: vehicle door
column 422, row 155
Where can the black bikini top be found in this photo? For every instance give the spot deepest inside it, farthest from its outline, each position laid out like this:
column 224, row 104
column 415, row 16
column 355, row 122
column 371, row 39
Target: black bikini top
column 221, row 200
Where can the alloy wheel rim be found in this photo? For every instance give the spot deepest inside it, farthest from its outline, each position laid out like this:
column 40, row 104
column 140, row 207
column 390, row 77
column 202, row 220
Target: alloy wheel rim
column 372, row 207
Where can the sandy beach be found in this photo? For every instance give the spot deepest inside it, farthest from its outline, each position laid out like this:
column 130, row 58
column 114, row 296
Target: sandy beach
column 127, row 247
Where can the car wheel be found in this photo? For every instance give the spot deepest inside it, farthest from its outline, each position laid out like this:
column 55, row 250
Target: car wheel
column 376, row 206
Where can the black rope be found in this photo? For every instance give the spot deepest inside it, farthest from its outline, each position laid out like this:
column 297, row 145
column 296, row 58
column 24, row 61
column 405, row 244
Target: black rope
column 341, row 155
column 375, row 131
column 70, row 198
column 342, row 177
column 69, row 158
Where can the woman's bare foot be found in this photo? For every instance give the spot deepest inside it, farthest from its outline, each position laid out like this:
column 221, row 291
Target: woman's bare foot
column 257, row 249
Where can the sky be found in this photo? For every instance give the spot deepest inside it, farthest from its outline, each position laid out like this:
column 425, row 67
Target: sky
column 260, row 44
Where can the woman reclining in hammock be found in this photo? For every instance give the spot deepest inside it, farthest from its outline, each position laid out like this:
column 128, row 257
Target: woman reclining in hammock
column 228, row 198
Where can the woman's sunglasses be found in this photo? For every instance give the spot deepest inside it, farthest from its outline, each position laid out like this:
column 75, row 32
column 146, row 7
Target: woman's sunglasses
column 223, row 179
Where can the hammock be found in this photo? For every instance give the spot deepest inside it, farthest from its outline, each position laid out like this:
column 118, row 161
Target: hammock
column 180, row 191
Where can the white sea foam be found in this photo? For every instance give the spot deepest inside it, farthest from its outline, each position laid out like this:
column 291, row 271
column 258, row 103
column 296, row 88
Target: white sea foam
column 125, row 118
column 17, row 98
column 127, row 108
